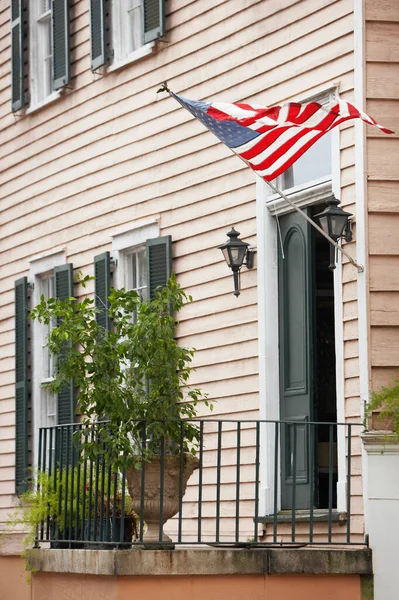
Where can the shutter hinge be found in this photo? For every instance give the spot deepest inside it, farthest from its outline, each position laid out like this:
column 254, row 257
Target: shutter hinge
column 113, row 263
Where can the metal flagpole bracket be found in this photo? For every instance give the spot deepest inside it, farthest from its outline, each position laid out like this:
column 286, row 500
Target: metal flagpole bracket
column 164, row 88
column 359, row 268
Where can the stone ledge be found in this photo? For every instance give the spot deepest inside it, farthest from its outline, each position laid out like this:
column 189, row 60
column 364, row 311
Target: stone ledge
column 198, row 561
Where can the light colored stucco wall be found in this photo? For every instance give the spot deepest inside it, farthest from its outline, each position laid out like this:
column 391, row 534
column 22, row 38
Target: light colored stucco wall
column 48, row 586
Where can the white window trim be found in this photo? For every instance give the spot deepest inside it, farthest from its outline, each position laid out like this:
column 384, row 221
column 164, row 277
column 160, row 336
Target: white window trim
column 51, row 98
column 124, row 243
column 36, row 75
column 132, row 57
column 39, row 266
column 268, row 342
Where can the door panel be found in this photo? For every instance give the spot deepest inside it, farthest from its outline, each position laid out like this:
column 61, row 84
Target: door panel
column 296, row 318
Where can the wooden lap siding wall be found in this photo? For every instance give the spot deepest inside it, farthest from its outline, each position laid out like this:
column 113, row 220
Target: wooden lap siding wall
column 382, row 95
column 133, row 157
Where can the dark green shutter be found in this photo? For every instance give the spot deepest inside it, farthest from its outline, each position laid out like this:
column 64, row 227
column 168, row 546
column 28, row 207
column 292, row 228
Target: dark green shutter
column 154, row 19
column 17, row 55
column 21, row 385
column 102, row 272
column 63, row 276
column 61, row 51
column 97, row 34
column 159, row 262
column 296, row 317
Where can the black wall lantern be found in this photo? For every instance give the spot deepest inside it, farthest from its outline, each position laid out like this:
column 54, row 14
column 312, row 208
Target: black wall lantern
column 336, row 223
column 237, row 253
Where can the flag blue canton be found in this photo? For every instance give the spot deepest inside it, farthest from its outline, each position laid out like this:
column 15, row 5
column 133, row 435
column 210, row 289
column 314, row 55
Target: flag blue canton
column 229, row 132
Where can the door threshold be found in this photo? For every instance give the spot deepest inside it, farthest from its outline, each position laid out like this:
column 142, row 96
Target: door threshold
column 319, row 515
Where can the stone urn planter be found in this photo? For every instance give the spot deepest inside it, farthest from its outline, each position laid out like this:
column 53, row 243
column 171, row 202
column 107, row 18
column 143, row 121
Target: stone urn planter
column 152, row 492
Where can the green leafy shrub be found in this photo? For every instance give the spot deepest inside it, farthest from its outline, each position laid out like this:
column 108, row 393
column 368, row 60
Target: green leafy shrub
column 386, row 401
column 134, row 374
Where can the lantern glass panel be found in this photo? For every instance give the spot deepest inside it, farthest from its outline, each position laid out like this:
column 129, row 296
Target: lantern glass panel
column 226, row 255
column 237, row 255
column 337, row 225
column 324, row 224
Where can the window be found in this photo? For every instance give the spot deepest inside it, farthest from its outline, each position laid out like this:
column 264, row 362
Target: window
column 52, row 278
column 46, row 402
column 134, row 26
column 136, row 271
column 314, row 165
column 49, row 48
column 127, row 30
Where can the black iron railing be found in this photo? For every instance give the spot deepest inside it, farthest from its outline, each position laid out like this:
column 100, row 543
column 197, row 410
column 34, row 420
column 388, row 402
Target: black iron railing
column 89, row 505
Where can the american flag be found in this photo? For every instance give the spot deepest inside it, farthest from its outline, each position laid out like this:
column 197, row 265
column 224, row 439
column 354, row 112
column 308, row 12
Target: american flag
column 271, row 139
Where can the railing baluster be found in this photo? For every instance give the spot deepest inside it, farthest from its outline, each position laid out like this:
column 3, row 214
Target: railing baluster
column 79, row 491
column 90, row 497
column 39, row 528
column 218, row 464
column 311, row 479
column 71, row 534
column 115, row 482
column 50, row 472
column 181, row 467
column 66, row 430
column 84, row 521
column 330, row 480
column 144, row 438
column 44, row 452
column 238, row 467
column 123, row 499
column 348, row 487
column 257, row 450
column 201, row 459
column 293, row 512
column 108, row 533
column 96, row 506
column 276, row 473
column 103, row 537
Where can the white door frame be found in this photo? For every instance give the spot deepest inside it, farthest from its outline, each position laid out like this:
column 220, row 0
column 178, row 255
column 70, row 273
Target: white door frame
column 268, row 341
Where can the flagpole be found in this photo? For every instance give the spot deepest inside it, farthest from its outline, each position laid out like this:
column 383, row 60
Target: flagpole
column 164, row 88
column 360, row 268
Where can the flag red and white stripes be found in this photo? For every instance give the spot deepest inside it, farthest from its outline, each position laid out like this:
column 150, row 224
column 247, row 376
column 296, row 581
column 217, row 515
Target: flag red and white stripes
column 271, row 139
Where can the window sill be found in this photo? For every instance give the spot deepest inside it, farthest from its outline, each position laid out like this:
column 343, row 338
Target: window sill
column 303, row 516
column 136, row 55
column 51, row 98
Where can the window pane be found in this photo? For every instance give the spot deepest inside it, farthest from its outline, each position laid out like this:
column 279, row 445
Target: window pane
column 136, row 272
column 134, row 37
column 315, row 163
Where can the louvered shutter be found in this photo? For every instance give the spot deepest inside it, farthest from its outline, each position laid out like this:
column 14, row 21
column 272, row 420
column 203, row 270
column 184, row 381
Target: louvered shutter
column 61, row 50
column 17, row 55
column 154, row 19
column 63, row 276
column 159, row 262
column 102, row 272
column 97, row 34
column 21, row 385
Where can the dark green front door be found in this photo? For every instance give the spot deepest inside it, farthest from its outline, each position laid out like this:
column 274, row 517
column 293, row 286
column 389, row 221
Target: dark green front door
column 296, row 318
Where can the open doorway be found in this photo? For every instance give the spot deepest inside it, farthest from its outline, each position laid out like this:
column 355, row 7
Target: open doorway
column 307, row 364
column 325, row 405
